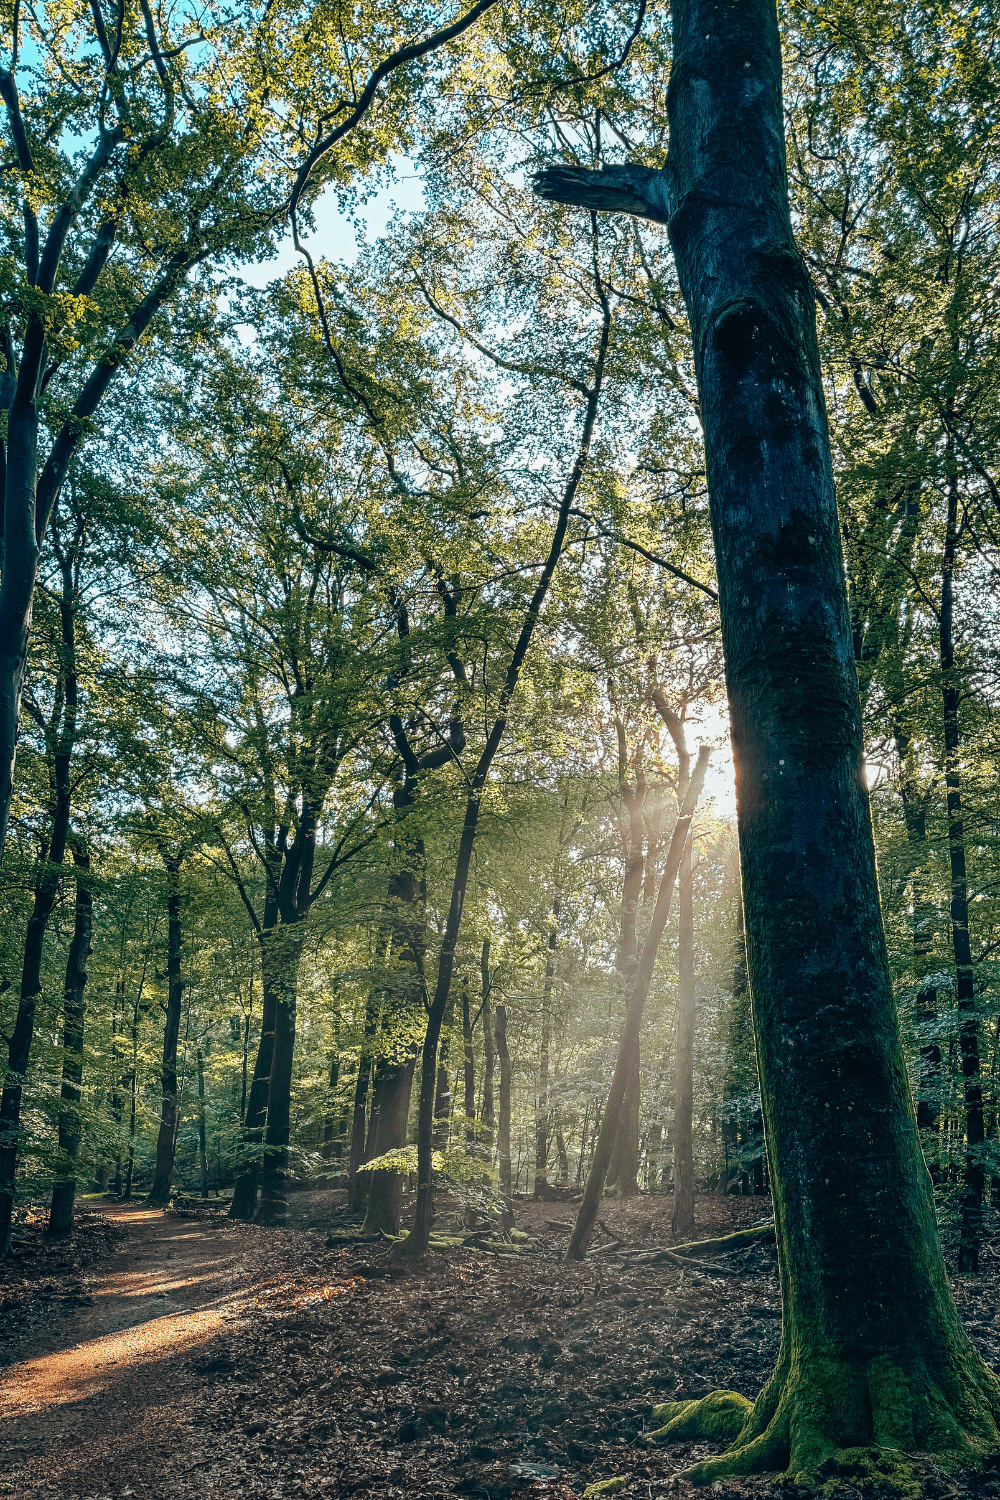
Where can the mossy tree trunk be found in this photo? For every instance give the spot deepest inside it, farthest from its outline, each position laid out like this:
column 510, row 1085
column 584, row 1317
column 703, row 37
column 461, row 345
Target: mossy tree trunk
column 874, row 1362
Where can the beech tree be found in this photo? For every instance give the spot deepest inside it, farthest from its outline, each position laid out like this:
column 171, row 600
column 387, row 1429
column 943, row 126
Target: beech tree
column 873, row 1354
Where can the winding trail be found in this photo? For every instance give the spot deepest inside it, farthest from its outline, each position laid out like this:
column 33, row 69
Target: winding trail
column 98, row 1404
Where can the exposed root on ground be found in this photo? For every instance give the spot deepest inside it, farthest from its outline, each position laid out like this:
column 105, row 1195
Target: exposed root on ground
column 819, row 1420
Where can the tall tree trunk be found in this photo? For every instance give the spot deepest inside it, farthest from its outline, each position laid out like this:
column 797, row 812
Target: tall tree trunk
column 19, row 1046
column 542, row 1098
column 130, row 1156
column 503, row 1118
column 202, row 1141
column 273, row 1206
column 873, row 1354
column 385, row 1189
column 587, row 1215
column 416, row 1241
column 359, row 1113
column 632, row 823
column 159, row 1193
column 442, row 1092
column 468, row 1067
column 682, row 1221
column 489, row 1050
column 70, row 1123
column 244, row 1204
column 562, row 1155
column 914, row 801
column 628, row 1131
column 330, row 1146
column 972, row 1198
column 246, row 1061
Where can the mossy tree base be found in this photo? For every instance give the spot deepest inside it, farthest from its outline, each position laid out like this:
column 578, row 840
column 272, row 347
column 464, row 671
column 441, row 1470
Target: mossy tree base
column 820, row 1418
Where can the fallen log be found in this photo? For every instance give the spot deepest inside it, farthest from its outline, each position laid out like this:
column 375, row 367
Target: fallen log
column 725, row 1244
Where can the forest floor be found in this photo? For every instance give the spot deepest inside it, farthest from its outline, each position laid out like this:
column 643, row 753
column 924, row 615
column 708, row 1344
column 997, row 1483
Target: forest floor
column 176, row 1354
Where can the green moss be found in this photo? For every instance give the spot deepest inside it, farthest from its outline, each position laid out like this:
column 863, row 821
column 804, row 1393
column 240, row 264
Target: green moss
column 722, row 1415
column 819, row 1418
column 726, row 1242
column 606, row 1487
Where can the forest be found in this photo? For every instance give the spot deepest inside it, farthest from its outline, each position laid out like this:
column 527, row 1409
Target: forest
column 499, row 671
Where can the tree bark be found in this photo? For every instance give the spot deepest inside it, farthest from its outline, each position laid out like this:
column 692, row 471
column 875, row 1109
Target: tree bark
column 70, row 1123
column 873, row 1354
column 587, row 1215
column 159, row 1193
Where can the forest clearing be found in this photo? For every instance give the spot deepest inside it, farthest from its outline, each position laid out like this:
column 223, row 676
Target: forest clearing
column 499, row 683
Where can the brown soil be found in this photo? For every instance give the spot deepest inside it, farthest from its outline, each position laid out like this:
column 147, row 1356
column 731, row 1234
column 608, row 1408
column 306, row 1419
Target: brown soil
column 161, row 1355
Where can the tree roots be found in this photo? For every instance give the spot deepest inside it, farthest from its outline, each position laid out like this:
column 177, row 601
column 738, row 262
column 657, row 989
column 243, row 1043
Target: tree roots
column 820, row 1419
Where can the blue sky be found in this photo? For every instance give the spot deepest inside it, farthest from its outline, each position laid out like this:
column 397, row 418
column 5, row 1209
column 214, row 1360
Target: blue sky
column 335, row 237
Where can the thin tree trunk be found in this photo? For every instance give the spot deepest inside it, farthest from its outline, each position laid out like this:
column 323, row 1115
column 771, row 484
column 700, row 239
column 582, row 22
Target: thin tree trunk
column 246, row 1061
column 587, row 1215
column 442, row 1091
column 503, row 1119
column 972, row 1198
column 360, row 1111
column 130, row 1158
column 489, row 1050
column 159, row 1193
column 70, row 1123
column 417, row 1240
column 468, row 1067
column 330, row 1119
column 542, row 1099
column 202, row 1142
column 682, row 1221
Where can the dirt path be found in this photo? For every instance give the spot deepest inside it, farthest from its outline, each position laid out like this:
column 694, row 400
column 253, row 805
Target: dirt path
column 173, row 1358
column 95, row 1402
